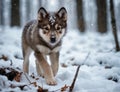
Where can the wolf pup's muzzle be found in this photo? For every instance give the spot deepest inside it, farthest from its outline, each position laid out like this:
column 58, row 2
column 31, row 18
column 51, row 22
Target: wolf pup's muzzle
column 52, row 39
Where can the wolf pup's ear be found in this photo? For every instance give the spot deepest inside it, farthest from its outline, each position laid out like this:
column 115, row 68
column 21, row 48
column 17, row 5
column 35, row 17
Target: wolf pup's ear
column 62, row 13
column 41, row 13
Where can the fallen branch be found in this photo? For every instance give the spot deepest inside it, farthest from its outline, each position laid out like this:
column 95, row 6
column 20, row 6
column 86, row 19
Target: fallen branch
column 73, row 83
column 27, row 78
column 75, row 77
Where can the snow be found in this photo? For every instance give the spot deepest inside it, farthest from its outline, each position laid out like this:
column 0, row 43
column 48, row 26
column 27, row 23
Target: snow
column 98, row 72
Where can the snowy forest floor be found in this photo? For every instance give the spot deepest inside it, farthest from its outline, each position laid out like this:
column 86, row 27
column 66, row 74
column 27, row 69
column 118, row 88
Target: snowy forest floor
column 100, row 72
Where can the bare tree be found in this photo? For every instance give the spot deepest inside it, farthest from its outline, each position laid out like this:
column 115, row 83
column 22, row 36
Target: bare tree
column 40, row 3
column 15, row 13
column 113, row 22
column 28, row 12
column 102, row 15
column 81, row 22
column 1, row 12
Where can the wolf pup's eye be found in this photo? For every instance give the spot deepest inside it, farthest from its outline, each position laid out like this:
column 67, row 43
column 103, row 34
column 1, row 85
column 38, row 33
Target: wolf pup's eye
column 57, row 27
column 45, row 31
column 47, row 27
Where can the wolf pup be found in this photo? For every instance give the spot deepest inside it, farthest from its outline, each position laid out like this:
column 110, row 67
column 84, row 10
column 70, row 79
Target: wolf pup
column 43, row 36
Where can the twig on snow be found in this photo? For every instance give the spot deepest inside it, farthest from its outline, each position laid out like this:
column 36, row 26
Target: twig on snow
column 27, row 78
column 76, row 74
column 73, row 83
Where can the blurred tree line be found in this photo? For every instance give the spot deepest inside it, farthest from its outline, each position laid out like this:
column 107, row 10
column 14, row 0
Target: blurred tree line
column 101, row 15
column 15, row 17
column 102, row 22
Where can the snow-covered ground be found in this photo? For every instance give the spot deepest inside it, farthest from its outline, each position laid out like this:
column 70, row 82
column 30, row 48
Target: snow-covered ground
column 99, row 72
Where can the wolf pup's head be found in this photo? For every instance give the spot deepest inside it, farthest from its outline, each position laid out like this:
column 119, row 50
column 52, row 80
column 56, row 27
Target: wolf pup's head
column 52, row 25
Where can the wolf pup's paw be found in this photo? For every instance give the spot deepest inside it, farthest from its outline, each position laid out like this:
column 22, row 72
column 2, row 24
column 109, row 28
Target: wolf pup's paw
column 51, row 81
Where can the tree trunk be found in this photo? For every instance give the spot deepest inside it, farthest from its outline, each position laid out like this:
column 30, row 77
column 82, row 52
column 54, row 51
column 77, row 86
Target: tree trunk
column 15, row 13
column 113, row 22
column 81, row 22
column 1, row 12
column 28, row 12
column 40, row 3
column 102, row 15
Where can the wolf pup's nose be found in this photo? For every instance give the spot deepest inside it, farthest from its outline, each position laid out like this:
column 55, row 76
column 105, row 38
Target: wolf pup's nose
column 52, row 39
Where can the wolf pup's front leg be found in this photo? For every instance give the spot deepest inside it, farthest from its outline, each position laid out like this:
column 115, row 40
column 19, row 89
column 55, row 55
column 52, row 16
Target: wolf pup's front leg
column 47, row 71
column 54, row 58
